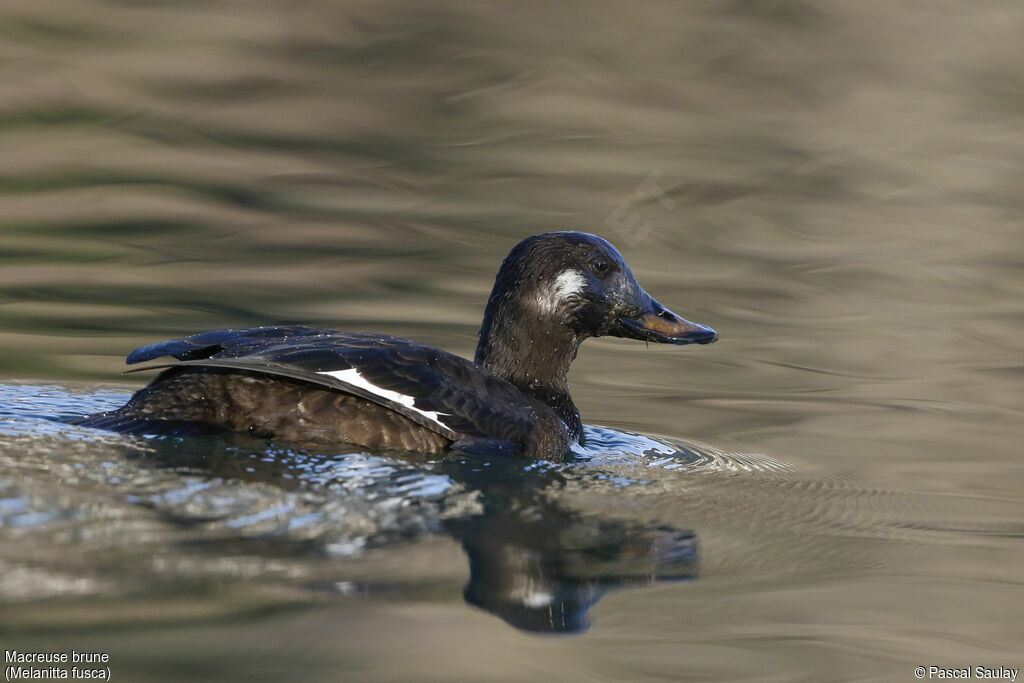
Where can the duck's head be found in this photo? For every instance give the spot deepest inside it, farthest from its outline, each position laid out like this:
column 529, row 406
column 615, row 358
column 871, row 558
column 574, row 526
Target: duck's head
column 553, row 291
column 581, row 283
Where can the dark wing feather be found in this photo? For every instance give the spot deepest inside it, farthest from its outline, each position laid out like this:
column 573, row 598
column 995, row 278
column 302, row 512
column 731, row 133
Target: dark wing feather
column 260, row 365
column 232, row 342
column 470, row 400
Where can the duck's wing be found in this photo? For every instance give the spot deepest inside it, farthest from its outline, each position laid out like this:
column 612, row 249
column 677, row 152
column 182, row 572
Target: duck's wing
column 435, row 389
column 227, row 342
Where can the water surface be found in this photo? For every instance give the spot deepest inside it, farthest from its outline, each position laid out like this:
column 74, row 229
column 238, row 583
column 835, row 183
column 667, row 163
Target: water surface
column 832, row 491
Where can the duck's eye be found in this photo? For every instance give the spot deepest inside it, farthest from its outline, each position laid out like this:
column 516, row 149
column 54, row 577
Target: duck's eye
column 599, row 264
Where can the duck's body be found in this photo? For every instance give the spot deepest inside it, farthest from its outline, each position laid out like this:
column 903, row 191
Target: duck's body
column 302, row 385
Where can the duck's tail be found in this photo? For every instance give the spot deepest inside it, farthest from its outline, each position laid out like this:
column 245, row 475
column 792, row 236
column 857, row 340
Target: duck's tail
column 115, row 421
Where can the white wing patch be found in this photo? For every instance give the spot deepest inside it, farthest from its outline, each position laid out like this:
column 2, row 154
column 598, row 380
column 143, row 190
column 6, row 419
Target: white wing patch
column 568, row 283
column 352, row 376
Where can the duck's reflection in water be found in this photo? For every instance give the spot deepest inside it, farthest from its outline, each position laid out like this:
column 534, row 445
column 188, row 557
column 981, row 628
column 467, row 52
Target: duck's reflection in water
column 534, row 561
column 541, row 566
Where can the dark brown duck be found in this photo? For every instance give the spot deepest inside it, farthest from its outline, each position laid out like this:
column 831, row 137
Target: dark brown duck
column 306, row 385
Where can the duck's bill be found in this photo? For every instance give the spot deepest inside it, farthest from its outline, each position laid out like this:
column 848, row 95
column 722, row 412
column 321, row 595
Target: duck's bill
column 658, row 324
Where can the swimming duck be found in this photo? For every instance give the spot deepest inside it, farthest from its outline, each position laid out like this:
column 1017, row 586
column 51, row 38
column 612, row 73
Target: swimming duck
column 309, row 385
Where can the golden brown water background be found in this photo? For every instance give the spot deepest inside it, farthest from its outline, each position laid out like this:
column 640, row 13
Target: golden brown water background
column 835, row 187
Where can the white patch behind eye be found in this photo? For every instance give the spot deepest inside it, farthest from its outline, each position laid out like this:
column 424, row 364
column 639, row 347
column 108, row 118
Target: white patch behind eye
column 568, row 283
column 352, row 376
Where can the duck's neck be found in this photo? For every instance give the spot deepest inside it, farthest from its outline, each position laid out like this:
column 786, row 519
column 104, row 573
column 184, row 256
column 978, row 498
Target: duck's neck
column 532, row 354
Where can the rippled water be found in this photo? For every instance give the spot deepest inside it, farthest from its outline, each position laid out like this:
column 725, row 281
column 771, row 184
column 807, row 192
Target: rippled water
column 830, row 492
